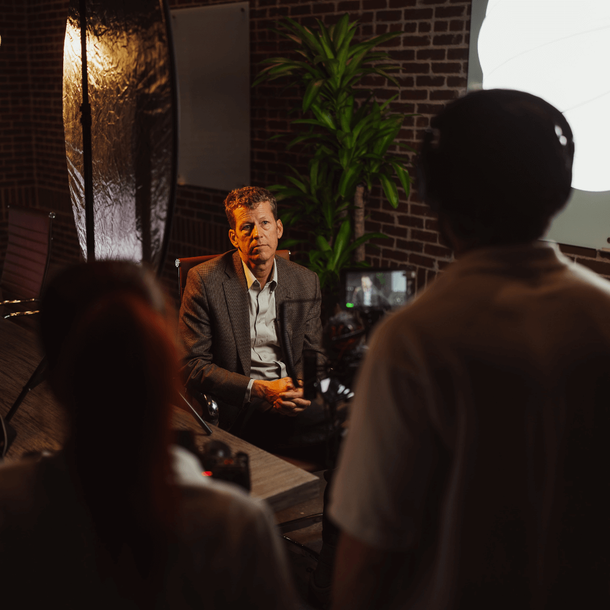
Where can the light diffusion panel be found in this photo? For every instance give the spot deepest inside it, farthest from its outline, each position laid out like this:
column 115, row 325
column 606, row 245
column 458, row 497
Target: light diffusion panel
column 557, row 51
column 131, row 92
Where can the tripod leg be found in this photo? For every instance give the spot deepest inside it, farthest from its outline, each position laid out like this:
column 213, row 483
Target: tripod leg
column 37, row 376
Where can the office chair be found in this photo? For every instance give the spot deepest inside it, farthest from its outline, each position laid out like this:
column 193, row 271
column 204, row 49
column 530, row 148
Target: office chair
column 184, row 265
column 28, row 252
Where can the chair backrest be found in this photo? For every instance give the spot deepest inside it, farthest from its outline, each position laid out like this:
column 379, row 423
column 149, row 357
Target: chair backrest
column 28, row 251
column 185, row 264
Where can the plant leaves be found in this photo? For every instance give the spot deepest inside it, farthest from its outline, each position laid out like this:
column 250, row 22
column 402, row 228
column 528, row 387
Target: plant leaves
column 341, row 243
column 311, row 93
column 403, row 176
column 325, row 40
column 389, row 189
column 340, row 30
column 323, row 245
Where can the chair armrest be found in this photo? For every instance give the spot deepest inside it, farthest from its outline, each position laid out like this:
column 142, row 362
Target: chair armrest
column 19, row 314
column 17, row 301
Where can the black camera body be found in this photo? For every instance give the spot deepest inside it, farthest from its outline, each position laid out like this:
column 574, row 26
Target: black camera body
column 217, row 460
column 219, row 463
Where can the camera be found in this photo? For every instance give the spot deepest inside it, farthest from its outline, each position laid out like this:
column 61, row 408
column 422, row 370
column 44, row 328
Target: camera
column 219, row 463
column 217, row 460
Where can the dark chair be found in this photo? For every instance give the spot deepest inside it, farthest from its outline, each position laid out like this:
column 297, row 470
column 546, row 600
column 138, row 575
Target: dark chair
column 184, row 265
column 28, row 252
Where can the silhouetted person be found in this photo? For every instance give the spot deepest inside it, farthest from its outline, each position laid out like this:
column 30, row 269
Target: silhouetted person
column 474, row 472
column 119, row 519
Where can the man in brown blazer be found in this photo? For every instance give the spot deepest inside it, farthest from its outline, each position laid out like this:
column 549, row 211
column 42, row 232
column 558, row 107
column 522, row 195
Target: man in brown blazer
column 238, row 349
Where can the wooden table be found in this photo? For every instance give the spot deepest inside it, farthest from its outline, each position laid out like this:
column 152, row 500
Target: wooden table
column 278, row 482
column 40, row 424
column 39, row 421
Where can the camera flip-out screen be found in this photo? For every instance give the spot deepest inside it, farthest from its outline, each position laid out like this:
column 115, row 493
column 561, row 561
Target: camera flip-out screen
column 375, row 288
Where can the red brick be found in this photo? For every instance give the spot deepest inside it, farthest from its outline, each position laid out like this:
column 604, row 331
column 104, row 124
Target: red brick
column 429, row 109
column 431, row 54
column 442, row 95
column 442, row 12
column 410, row 221
column 425, row 236
column 438, row 251
column 394, row 231
column 458, row 82
column 458, row 26
column 415, row 68
column 422, row 210
column 384, row 217
column 431, row 224
column 446, row 68
column 409, row 246
column 446, row 40
column 389, row 16
column 430, row 81
column 414, row 94
column 326, row 7
column 416, row 14
column 300, row 10
column 369, row 5
column 394, row 255
column 421, row 261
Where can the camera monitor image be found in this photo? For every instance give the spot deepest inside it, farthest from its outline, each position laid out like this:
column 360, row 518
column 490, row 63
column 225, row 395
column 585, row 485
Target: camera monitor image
column 378, row 288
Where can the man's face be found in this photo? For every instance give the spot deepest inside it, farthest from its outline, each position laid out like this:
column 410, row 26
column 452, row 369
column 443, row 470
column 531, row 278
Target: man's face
column 366, row 282
column 256, row 233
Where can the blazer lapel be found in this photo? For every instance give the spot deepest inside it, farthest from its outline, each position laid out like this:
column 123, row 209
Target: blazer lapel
column 235, row 289
column 283, row 295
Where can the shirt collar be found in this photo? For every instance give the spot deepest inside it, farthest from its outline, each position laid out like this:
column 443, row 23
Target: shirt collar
column 537, row 256
column 250, row 279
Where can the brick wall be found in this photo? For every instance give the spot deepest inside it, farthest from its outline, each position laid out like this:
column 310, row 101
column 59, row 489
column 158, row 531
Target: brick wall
column 432, row 52
column 32, row 163
column 16, row 162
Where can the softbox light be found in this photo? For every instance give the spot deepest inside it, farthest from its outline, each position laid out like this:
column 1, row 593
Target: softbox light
column 129, row 81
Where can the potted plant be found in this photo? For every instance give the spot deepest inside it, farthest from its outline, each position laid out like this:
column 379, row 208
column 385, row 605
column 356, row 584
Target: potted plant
column 347, row 132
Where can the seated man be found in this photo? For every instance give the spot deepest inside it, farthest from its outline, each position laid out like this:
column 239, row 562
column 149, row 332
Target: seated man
column 474, row 471
column 238, row 347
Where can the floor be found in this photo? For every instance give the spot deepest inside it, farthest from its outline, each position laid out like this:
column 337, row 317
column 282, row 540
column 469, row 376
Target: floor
column 304, row 544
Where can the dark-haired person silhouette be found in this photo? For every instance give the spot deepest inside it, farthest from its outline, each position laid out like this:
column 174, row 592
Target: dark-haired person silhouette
column 474, row 471
column 120, row 518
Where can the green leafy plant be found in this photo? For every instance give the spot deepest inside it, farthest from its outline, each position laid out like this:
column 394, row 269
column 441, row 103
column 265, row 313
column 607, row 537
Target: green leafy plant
column 346, row 131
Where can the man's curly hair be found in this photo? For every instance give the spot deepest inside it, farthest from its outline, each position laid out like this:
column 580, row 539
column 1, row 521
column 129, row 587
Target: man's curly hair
column 248, row 197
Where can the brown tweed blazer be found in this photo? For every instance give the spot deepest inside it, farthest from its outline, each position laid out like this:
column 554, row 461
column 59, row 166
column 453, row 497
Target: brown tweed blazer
column 215, row 328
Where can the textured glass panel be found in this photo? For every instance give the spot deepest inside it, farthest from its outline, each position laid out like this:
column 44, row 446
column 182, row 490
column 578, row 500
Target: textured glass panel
column 131, row 95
